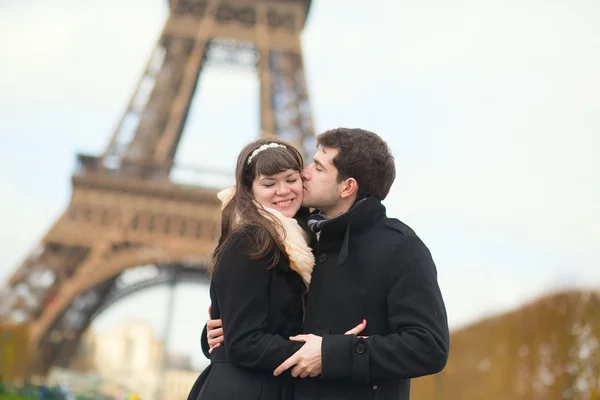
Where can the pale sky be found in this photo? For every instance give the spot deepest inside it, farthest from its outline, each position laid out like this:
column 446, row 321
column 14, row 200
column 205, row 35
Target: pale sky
column 491, row 108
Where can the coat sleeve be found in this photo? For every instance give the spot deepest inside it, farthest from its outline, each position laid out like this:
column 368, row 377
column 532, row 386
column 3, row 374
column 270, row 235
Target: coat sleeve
column 204, row 342
column 242, row 292
column 420, row 341
column 214, row 314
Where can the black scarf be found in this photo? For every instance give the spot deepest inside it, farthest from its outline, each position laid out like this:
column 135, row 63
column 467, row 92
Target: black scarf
column 318, row 219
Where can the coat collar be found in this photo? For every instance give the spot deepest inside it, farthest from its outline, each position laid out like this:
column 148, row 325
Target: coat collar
column 337, row 232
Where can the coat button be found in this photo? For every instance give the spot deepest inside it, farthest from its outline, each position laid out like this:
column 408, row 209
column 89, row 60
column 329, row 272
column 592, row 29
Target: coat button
column 375, row 387
column 360, row 348
column 323, row 257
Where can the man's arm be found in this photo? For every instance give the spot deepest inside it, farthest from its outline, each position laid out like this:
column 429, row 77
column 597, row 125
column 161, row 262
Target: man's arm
column 417, row 315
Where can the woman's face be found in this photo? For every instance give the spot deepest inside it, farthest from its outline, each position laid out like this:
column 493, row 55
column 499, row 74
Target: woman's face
column 282, row 191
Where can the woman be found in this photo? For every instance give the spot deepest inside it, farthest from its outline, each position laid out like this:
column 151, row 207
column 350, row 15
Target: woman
column 261, row 269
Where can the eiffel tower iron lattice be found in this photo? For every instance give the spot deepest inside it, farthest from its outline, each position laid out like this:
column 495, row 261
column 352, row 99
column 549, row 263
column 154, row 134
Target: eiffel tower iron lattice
column 124, row 210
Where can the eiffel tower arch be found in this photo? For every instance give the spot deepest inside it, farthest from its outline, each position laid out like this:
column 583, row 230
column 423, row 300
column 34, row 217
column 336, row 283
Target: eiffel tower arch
column 124, row 209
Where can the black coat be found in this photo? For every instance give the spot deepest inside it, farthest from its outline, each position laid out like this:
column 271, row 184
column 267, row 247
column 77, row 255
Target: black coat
column 260, row 309
column 375, row 268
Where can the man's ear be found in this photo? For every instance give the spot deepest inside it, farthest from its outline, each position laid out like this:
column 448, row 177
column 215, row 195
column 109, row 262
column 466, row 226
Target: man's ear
column 349, row 188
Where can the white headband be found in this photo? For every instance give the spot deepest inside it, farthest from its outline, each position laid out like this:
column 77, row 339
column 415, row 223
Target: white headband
column 262, row 148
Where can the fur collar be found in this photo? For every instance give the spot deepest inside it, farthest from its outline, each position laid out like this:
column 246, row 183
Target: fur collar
column 295, row 239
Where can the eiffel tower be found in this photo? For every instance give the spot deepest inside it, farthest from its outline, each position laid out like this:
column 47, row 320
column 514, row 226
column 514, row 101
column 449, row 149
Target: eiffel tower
column 125, row 211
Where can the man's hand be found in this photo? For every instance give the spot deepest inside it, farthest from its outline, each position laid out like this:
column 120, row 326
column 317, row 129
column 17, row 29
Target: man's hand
column 214, row 333
column 306, row 361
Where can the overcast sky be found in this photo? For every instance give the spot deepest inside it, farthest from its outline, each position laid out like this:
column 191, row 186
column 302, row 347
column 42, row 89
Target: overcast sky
column 491, row 107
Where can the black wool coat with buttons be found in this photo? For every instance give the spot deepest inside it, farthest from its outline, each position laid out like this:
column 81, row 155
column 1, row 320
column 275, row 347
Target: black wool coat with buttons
column 260, row 309
column 372, row 267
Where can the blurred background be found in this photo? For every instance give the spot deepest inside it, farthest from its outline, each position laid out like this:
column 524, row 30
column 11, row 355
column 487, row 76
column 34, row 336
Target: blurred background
column 491, row 109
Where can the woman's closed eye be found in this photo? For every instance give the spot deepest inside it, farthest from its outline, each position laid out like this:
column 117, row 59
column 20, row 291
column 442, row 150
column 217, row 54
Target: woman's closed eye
column 270, row 185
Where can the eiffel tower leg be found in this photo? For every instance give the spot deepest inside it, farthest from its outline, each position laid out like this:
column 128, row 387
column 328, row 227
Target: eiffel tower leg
column 36, row 281
column 104, row 232
column 285, row 111
column 124, row 211
column 179, row 108
column 153, row 123
column 58, row 345
column 290, row 108
column 267, row 122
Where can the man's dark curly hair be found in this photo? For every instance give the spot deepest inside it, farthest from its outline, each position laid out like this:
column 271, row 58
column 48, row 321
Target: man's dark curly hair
column 364, row 156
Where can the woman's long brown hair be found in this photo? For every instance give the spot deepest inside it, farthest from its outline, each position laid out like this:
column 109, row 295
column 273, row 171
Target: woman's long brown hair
column 265, row 240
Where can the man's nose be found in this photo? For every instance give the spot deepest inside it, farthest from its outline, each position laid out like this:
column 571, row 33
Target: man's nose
column 304, row 174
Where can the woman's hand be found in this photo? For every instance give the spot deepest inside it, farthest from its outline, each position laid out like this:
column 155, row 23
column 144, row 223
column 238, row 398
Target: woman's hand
column 308, row 360
column 358, row 328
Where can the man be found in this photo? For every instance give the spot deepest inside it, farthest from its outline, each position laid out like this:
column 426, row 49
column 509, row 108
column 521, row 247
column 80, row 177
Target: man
column 368, row 267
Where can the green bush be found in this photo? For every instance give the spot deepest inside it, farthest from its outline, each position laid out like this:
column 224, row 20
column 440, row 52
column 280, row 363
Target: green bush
column 14, row 397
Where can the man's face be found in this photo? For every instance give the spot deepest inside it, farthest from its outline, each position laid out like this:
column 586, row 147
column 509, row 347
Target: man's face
column 321, row 189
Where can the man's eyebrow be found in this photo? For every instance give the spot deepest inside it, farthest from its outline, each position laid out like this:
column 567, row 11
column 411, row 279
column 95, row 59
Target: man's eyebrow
column 318, row 163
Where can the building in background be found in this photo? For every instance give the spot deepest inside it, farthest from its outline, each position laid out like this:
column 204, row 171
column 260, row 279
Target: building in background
column 178, row 383
column 129, row 360
column 14, row 353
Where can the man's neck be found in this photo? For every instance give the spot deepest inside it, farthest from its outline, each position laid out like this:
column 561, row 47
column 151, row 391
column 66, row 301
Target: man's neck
column 339, row 208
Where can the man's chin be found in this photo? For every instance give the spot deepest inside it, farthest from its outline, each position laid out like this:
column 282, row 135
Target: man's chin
column 306, row 201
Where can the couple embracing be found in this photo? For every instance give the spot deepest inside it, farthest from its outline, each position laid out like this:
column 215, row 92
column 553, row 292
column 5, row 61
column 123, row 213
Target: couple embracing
column 338, row 303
